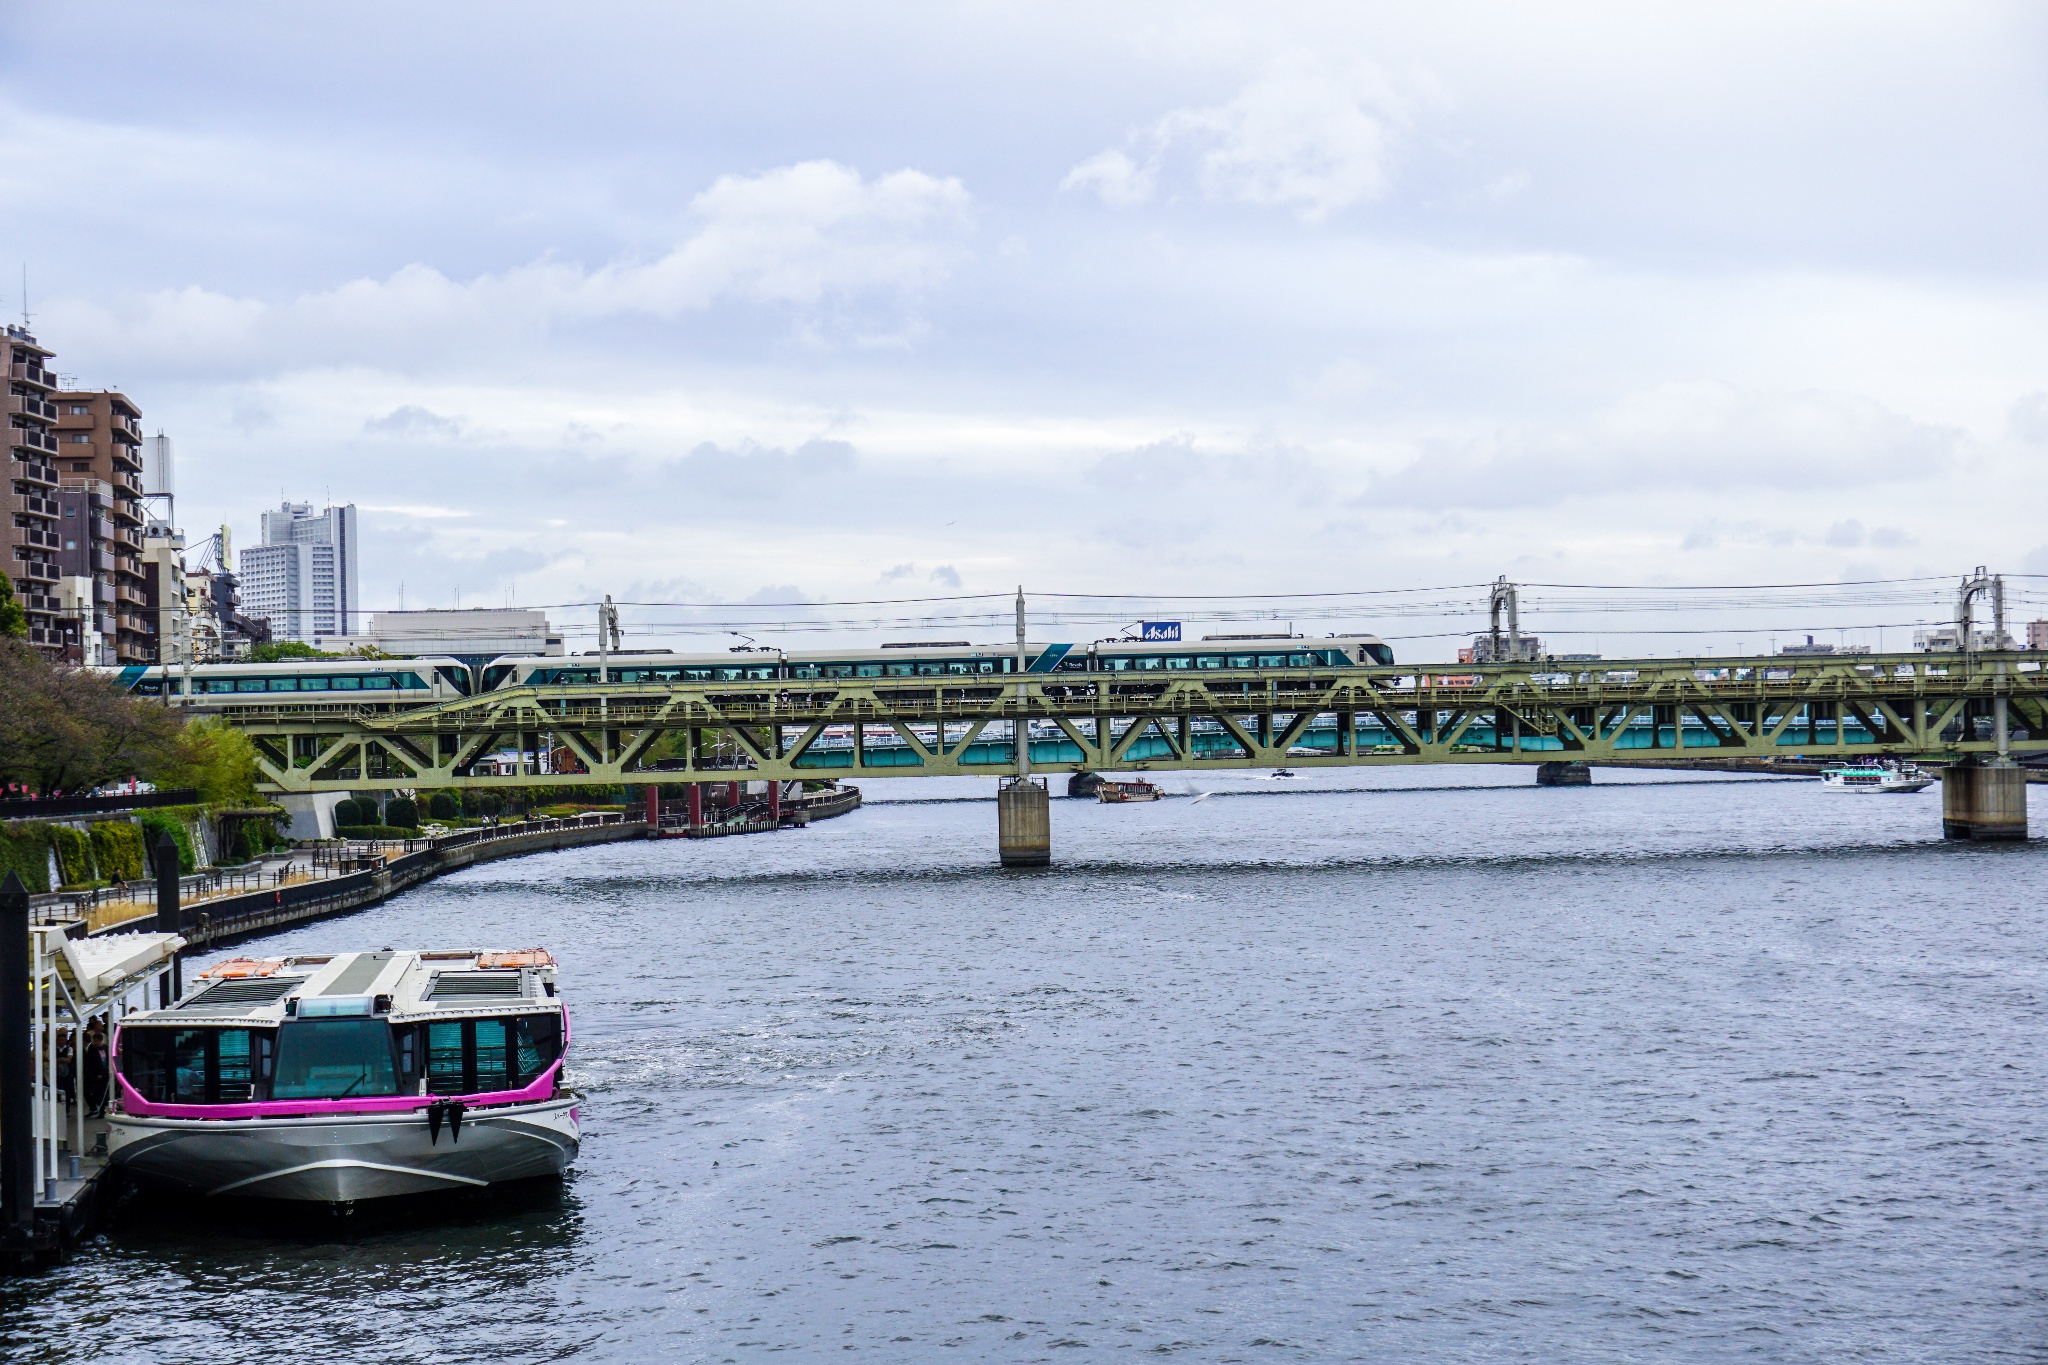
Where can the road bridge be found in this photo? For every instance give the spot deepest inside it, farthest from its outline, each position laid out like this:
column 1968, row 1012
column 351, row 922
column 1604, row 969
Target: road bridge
column 1975, row 712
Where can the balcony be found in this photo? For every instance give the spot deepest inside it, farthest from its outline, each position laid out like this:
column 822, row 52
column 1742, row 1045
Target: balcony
column 36, row 570
column 31, row 406
column 36, row 472
column 35, row 438
column 32, row 374
column 132, row 596
column 36, row 535
column 33, row 505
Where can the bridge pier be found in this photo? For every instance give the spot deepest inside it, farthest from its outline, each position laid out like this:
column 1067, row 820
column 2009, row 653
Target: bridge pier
column 1984, row 801
column 1563, row 775
column 1023, row 823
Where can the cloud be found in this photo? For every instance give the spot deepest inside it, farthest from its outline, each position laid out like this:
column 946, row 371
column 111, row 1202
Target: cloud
column 1707, row 437
column 841, row 253
column 413, row 420
column 1302, row 141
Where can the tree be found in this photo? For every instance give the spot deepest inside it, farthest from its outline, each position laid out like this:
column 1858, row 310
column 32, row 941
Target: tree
column 13, row 620
column 400, row 811
column 69, row 730
column 214, row 757
column 286, row 649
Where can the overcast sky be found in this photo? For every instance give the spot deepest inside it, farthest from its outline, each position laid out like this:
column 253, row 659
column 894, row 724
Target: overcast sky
column 772, row 302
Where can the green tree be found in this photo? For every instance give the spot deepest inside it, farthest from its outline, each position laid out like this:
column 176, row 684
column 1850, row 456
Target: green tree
column 402, row 812
column 286, row 649
column 215, row 758
column 13, row 620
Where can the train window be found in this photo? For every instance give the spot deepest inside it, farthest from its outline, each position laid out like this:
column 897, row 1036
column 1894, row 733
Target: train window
column 898, row 670
column 348, row 684
column 868, row 671
column 284, row 684
column 760, row 673
column 217, row 685
column 1209, row 661
column 1272, row 661
column 697, row 675
column 1184, row 661
column 249, row 685
column 1300, row 660
column 376, row 682
column 930, row 670
column 312, row 684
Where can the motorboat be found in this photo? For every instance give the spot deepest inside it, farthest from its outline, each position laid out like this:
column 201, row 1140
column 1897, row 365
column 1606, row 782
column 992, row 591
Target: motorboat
column 1115, row 793
column 1877, row 777
column 348, row 1076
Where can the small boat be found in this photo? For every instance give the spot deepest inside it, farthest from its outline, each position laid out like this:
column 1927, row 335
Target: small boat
column 347, row 1076
column 1116, row 792
column 1876, row 777
column 1283, row 772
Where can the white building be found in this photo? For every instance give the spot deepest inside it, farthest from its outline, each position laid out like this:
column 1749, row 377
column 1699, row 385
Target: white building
column 302, row 578
column 476, row 634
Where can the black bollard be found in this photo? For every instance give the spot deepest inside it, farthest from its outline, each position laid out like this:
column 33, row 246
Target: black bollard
column 167, row 915
column 17, row 1140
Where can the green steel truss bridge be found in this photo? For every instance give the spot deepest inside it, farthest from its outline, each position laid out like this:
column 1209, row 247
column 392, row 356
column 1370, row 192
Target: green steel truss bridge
column 1969, row 708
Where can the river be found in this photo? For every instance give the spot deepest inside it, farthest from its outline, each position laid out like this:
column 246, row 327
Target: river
column 1377, row 1065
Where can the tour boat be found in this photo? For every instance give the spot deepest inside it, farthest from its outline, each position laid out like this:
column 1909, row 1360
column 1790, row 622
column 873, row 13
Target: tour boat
column 1117, row 792
column 346, row 1076
column 1877, row 777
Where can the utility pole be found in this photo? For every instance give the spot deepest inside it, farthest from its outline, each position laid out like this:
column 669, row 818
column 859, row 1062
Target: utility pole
column 1023, row 724
column 607, row 640
column 1503, row 597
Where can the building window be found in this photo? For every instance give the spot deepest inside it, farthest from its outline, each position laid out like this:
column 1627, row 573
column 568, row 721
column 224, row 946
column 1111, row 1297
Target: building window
column 81, row 438
column 81, row 410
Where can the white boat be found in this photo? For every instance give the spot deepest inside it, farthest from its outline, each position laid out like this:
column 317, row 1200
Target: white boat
column 1877, row 777
column 346, row 1076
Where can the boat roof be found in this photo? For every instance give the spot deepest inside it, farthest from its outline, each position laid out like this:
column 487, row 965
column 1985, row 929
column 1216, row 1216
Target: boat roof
column 446, row 983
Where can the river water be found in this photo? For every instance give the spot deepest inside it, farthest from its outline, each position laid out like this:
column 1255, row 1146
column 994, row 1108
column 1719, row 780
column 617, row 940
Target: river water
column 1392, row 1065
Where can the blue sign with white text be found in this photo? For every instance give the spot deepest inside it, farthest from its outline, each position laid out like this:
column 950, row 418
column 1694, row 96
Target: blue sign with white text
column 1159, row 630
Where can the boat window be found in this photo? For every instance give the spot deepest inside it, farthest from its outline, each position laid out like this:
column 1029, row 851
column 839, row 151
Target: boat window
column 475, row 1056
column 333, row 1059
column 195, row 1065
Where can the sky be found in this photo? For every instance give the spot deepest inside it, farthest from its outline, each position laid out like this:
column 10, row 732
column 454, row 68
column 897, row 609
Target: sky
column 813, row 303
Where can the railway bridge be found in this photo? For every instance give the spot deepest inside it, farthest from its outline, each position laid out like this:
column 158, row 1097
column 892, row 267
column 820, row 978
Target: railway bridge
column 1973, row 712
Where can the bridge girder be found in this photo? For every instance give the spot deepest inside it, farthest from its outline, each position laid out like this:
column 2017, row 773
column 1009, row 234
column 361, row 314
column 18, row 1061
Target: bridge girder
column 1518, row 712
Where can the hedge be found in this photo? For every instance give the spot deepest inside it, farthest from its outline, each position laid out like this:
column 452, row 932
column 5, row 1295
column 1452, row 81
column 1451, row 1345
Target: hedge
column 117, row 848
column 156, row 823
column 25, row 849
column 375, row 832
column 74, row 855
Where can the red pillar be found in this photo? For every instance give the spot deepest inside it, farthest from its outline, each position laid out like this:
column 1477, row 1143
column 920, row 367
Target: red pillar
column 775, row 801
column 653, row 806
column 696, row 804
column 732, row 796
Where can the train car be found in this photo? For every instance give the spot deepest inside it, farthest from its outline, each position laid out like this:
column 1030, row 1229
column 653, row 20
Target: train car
column 227, row 686
column 954, row 659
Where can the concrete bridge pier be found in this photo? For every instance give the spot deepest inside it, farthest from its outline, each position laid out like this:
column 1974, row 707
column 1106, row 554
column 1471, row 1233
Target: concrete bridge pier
column 1984, row 801
column 1024, row 823
column 1563, row 775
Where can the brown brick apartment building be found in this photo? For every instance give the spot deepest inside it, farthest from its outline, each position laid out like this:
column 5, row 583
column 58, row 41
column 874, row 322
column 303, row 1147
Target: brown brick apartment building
column 99, row 467
column 28, row 523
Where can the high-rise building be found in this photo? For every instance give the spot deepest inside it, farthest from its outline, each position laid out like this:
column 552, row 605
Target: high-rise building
column 99, row 464
column 302, row 578
column 28, row 531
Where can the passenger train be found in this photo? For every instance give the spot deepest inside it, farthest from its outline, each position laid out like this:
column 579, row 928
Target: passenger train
column 444, row 678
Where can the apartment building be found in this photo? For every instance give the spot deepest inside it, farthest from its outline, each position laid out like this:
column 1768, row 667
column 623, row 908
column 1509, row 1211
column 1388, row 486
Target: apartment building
column 302, row 578
column 29, row 520
column 99, row 470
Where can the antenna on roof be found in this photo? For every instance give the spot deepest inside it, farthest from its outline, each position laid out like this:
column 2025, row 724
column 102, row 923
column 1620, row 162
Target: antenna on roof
column 24, row 296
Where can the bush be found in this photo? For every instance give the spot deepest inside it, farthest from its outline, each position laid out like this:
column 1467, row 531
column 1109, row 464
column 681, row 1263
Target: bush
column 401, row 811
column 478, row 802
column 443, row 806
column 349, row 811
column 74, row 855
column 25, row 849
column 157, row 823
column 118, row 849
column 375, row 832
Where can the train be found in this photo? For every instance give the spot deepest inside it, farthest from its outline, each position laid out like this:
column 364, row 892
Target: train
column 443, row 678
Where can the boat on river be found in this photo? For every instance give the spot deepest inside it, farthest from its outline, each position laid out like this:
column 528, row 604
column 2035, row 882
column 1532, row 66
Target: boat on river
column 1876, row 777
column 346, row 1076
column 1114, row 793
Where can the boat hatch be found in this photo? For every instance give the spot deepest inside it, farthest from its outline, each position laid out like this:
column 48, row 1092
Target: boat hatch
column 473, row 985
column 524, row 957
column 242, row 992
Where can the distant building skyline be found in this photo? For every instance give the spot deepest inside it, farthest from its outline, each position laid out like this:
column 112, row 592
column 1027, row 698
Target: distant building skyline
column 303, row 577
